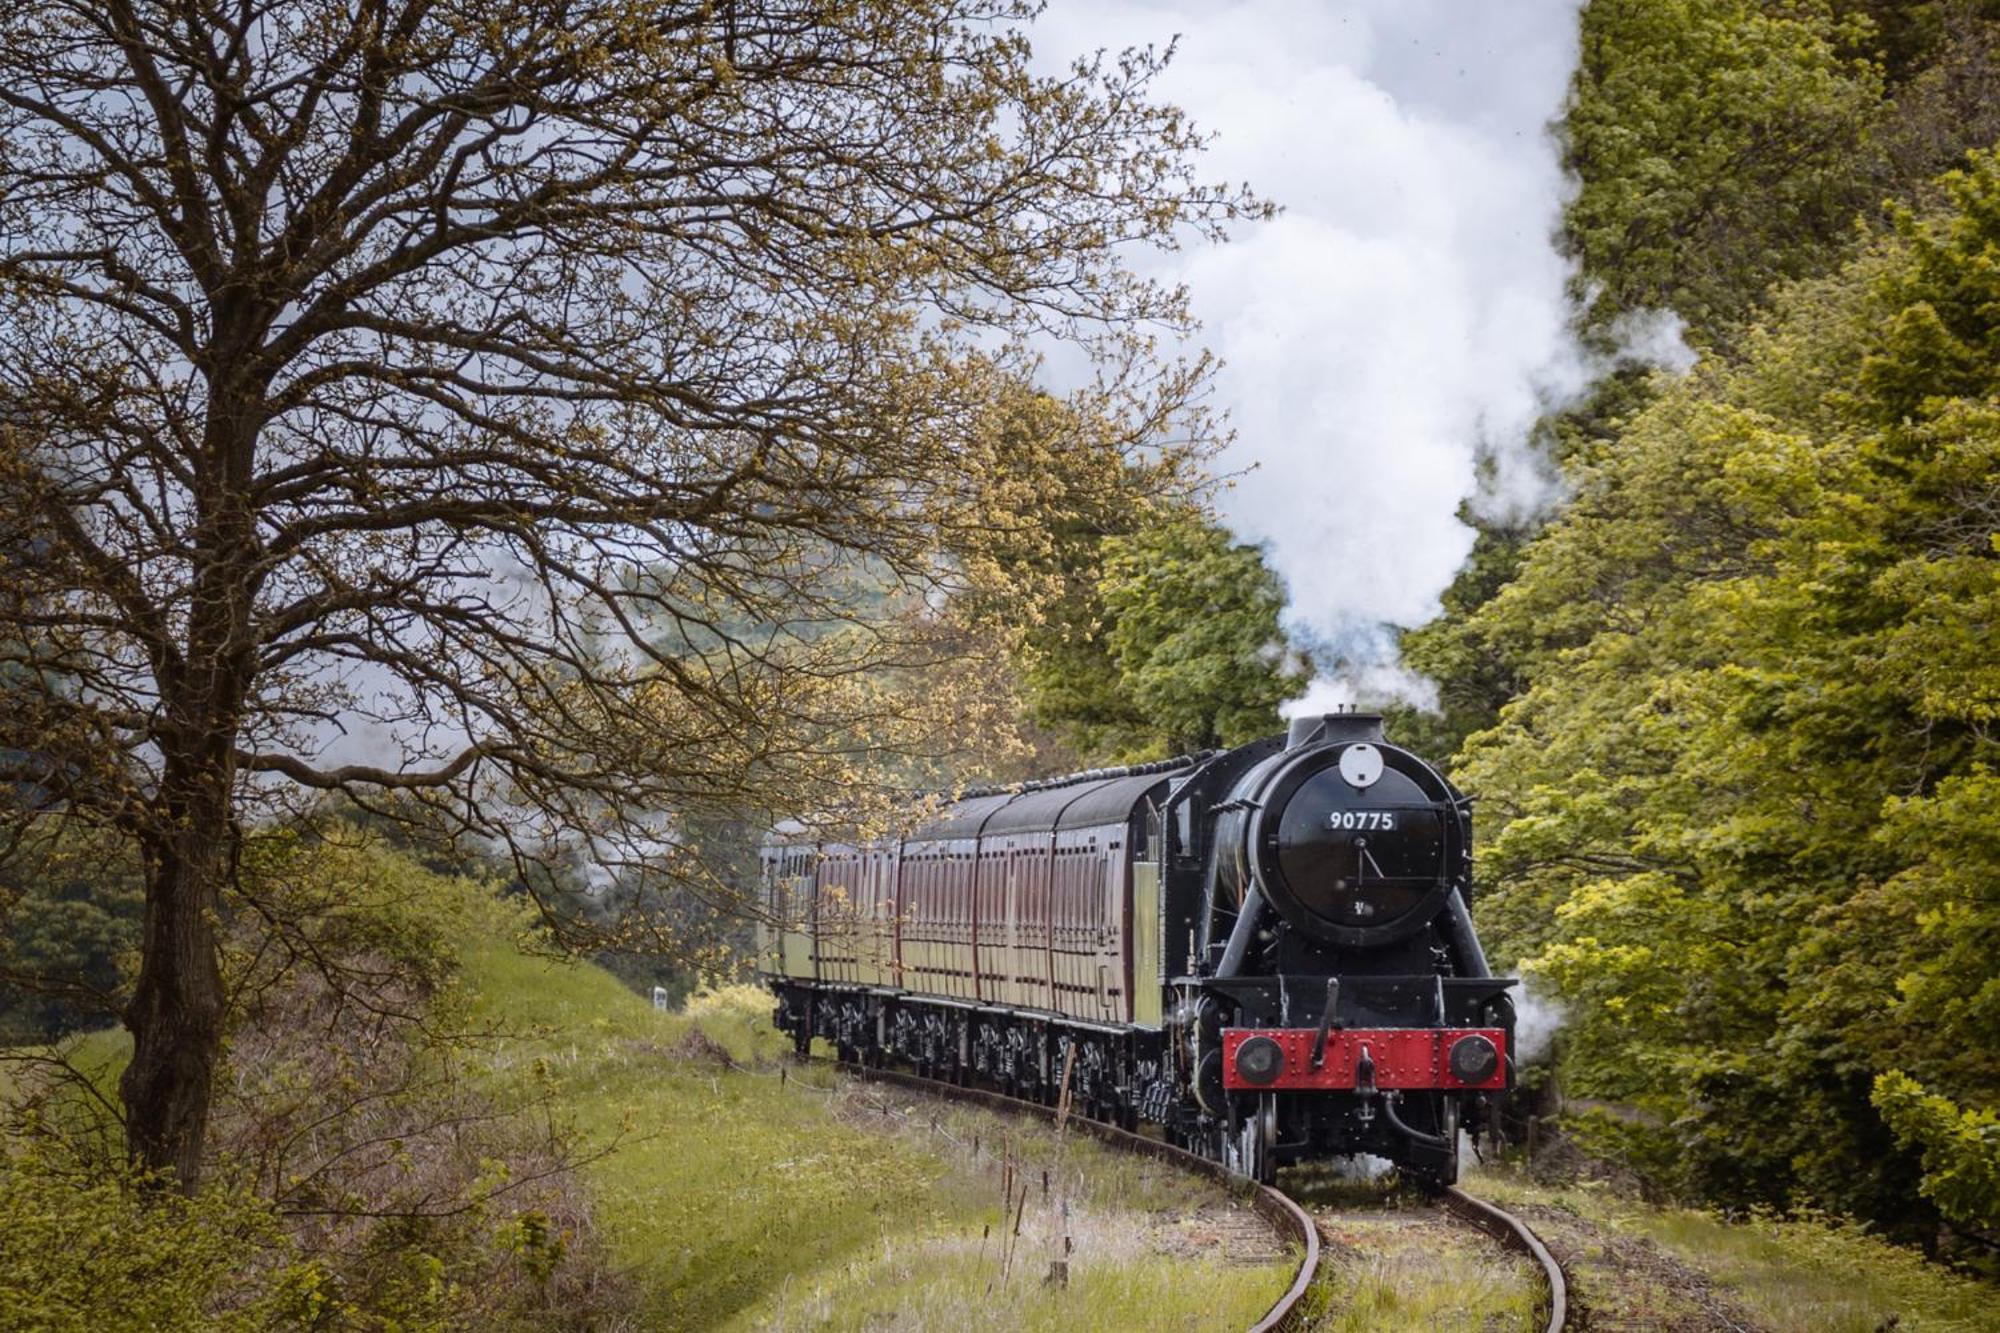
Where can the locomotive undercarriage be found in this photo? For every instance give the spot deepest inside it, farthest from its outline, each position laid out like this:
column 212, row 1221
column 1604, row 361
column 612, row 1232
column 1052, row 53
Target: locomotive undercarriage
column 1131, row 1077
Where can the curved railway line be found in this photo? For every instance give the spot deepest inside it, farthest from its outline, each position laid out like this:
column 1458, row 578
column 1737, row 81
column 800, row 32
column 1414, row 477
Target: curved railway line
column 1515, row 1234
column 1284, row 1215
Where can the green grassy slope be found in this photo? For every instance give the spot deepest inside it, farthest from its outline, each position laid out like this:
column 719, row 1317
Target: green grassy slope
column 740, row 1197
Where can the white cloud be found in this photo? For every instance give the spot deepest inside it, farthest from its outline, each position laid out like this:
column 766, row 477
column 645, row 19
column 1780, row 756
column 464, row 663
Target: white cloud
column 1407, row 315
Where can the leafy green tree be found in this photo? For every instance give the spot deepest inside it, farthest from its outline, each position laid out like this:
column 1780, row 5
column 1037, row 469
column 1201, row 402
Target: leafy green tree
column 1725, row 145
column 1717, row 142
column 1961, row 1150
column 1725, row 712
column 1195, row 633
column 1473, row 679
column 1739, row 815
column 1054, row 565
column 1721, row 146
column 1167, row 639
column 1911, row 37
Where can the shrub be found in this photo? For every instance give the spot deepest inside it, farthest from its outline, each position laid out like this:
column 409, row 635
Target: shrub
column 86, row 1247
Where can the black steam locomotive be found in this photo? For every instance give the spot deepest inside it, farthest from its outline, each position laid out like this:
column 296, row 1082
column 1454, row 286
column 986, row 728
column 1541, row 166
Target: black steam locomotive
column 1266, row 951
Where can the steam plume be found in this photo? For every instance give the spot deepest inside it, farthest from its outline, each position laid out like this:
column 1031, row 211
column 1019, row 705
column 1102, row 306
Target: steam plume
column 1406, row 320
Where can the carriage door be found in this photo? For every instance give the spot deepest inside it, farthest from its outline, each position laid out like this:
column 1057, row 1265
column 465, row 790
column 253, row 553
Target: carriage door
column 1107, row 936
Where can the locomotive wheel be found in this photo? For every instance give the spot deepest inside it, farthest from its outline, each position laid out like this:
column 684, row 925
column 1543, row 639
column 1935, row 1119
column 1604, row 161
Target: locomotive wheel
column 1447, row 1170
column 1252, row 1148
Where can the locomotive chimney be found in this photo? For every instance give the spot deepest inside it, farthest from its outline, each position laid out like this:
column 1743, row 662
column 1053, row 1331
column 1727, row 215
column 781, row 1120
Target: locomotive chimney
column 1334, row 728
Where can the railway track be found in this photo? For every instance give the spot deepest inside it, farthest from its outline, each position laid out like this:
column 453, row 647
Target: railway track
column 1284, row 1215
column 1412, row 1244
column 1515, row 1234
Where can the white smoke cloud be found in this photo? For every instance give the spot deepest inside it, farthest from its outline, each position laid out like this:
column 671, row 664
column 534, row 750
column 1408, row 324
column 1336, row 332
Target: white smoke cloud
column 1407, row 317
column 1536, row 1022
column 1653, row 338
column 1364, row 685
column 1363, row 1167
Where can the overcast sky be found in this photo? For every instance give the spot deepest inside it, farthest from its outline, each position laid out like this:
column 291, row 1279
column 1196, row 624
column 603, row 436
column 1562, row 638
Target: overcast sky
column 1407, row 311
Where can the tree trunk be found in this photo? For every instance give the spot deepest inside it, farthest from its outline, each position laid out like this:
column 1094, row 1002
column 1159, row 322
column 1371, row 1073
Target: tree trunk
column 176, row 1011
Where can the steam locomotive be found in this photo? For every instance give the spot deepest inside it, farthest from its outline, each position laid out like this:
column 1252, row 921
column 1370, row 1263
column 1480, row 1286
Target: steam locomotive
column 1265, row 951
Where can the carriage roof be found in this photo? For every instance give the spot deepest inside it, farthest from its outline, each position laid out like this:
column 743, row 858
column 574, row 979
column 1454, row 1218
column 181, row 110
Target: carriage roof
column 1084, row 800
column 1106, row 796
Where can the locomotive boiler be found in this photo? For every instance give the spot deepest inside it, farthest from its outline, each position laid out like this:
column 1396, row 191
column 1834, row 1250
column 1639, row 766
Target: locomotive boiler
column 1266, row 951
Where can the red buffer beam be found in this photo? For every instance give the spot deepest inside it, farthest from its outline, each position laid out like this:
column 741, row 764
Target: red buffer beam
column 1280, row 1059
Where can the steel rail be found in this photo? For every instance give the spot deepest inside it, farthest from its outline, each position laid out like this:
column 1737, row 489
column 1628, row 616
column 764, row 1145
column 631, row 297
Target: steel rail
column 1512, row 1232
column 1285, row 1216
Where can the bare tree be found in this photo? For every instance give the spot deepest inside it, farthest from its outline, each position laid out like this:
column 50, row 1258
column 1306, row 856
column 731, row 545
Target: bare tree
column 490, row 410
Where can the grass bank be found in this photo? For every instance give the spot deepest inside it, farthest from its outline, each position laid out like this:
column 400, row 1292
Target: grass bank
column 739, row 1192
column 718, row 1186
column 1632, row 1265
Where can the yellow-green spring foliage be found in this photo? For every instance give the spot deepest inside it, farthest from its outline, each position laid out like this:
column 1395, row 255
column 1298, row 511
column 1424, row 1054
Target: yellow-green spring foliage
column 85, row 1249
column 1743, row 813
